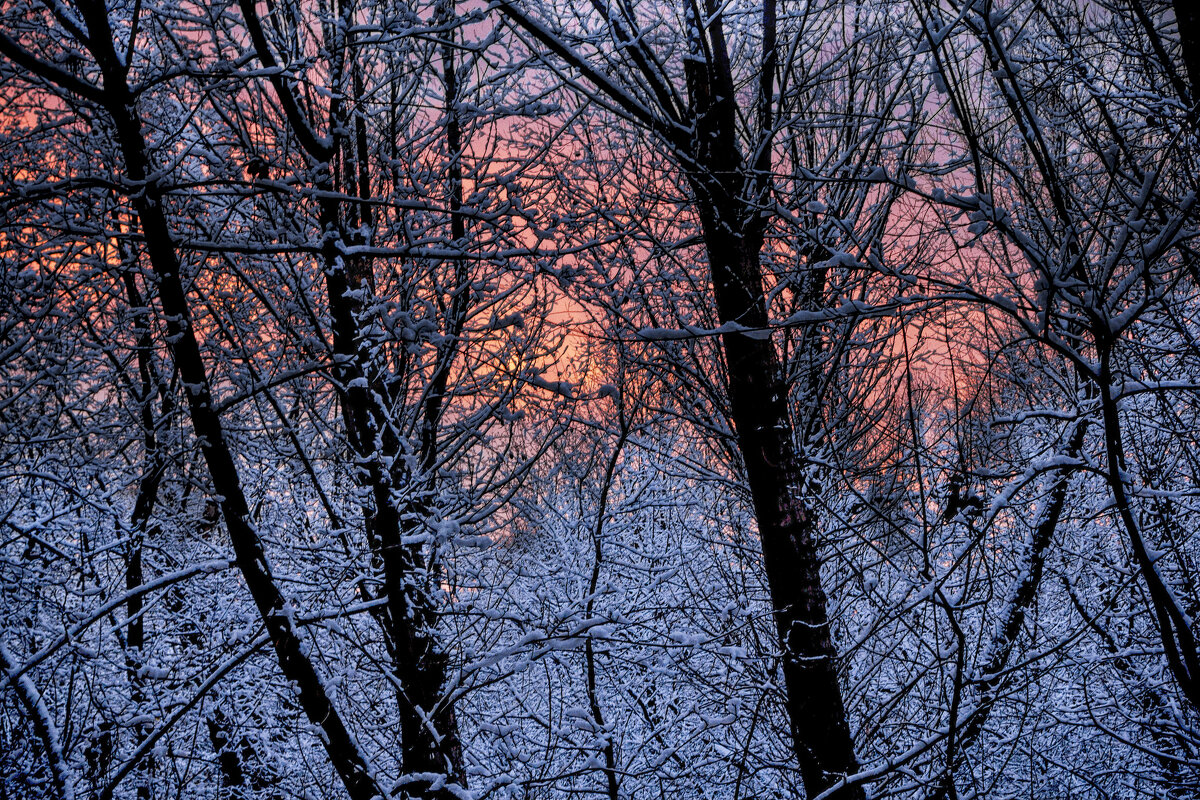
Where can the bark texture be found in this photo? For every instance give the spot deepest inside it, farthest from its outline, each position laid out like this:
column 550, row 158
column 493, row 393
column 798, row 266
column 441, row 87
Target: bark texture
column 787, row 523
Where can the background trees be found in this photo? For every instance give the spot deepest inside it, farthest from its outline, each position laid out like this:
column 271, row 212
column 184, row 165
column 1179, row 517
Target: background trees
column 620, row 399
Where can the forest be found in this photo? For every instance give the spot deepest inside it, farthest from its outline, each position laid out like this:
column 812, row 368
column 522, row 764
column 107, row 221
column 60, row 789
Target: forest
column 615, row 399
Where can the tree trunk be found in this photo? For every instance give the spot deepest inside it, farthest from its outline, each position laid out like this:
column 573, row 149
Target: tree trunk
column 729, row 199
column 274, row 609
column 1174, row 626
column 1187, row 18
column 787, row 523
column 143, row 507
column 431, row 752
column 43, row 725
column 989, row 676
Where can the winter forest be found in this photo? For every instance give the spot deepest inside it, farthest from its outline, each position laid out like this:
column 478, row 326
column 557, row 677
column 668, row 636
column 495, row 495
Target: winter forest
column 615, row 399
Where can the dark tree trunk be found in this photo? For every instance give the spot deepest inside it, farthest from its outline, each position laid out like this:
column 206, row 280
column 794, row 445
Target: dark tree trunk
column 1187, row 17
column 429, row 742
column 787, row 523
column 250, row 556
column 612, row 782
column 1174, row 626
column 729, row 198
column 1154, row 705
column 247, row 547
column 429, row 745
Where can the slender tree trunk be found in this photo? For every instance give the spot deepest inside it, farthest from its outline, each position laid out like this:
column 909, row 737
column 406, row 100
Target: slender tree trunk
column 428, row 665
column 787, row 523
column 989, row 676
column 428, row 729
column 1174, row 626
column 431, row 752
column 731, row 199
column 143, row 507
column 611, row 781
column 251, row 559
column 429, row 743
column 1153, row 705
column 43, row 725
